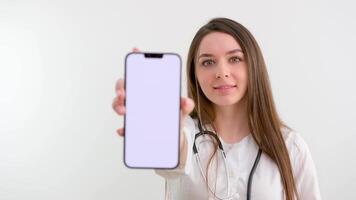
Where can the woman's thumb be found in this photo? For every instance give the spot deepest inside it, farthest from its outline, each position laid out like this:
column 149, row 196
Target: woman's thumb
column 187, row 105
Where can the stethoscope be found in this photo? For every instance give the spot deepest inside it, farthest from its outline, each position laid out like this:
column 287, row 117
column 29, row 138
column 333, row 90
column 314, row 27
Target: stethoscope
column 195, row 151
column 213, row 135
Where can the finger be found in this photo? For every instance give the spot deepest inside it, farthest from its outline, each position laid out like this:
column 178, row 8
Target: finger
column 121, row 97
column 120, row 132
column 187, row 105
column 135, row 49
column 115, row 103
column 120, row 85
column 121, row 110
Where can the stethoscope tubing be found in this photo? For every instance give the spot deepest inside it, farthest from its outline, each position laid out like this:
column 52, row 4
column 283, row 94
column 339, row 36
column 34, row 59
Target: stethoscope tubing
column 252, row 172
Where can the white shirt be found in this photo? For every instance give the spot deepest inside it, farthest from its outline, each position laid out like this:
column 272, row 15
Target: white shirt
column 186, row 181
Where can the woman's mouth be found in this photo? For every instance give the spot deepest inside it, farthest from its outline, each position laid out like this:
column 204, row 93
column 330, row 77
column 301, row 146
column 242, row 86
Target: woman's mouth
column 224, row 89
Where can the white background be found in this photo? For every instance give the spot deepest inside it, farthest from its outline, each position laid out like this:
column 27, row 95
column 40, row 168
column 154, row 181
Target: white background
column 59, row 62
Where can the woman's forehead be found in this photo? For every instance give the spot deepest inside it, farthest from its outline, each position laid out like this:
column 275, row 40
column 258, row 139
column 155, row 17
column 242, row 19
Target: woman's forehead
column 217, row 43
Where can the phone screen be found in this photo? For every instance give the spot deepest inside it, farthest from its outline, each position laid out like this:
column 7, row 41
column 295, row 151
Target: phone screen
column 152, row 119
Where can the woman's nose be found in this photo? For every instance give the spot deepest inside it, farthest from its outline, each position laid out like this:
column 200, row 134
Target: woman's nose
column 222, row 71
column 219, row 76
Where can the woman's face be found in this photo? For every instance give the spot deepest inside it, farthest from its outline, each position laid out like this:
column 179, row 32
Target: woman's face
column 221, row 69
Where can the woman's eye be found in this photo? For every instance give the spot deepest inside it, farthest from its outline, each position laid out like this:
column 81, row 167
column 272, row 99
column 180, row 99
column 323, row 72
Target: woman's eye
column 235, row 59
column 207, row 62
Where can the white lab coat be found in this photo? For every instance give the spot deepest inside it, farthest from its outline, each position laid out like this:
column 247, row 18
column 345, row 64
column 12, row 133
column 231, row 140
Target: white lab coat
column 186, row 181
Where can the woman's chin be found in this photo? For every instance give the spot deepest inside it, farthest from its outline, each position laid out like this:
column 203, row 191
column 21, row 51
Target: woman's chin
column 226, row 100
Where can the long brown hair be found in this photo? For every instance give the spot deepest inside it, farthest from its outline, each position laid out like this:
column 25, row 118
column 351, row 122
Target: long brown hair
column 263, row 120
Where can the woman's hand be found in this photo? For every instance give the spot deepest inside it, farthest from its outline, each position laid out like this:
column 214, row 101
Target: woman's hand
column 118, row 104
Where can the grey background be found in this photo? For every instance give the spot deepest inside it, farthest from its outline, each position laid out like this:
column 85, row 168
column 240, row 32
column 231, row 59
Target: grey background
column 59, row 62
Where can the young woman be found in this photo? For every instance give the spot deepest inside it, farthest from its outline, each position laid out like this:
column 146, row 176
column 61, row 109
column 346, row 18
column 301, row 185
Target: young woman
column 233, row 144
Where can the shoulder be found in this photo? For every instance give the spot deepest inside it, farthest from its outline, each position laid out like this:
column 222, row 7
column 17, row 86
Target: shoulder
column 294, row 141
column 298, row 149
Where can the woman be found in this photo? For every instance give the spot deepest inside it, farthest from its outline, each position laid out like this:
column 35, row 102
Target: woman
column 230, row 101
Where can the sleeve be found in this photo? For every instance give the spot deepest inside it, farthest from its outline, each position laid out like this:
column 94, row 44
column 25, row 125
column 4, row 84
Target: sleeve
column 305, row 172
column 185, row 165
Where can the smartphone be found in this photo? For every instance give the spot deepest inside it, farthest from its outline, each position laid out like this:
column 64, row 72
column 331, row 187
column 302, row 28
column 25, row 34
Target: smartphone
column 152, row 119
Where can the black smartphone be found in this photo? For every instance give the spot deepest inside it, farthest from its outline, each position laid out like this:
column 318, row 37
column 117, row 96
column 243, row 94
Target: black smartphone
column 152, row 119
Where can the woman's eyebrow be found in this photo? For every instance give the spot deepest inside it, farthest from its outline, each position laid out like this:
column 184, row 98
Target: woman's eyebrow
column 234, row 51
column 211, row 55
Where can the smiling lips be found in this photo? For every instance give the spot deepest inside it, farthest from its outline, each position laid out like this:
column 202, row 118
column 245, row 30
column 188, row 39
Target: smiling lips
column 225, row 89
column 222, row 87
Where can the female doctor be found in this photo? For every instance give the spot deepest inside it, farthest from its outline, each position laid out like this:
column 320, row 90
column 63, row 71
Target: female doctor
column 233, row 143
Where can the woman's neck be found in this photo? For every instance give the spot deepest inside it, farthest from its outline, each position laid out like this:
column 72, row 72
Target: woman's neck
column 231, row 122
